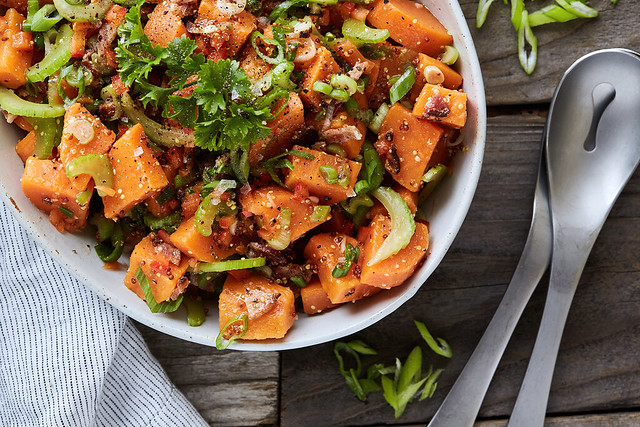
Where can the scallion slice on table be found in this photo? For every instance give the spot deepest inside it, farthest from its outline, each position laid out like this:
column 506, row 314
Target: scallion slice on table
column 438, row 345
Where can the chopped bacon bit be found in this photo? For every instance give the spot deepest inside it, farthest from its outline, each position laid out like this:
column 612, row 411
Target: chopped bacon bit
column 436, row 107
column 259, row 301
column 300, row 192
column 227, row 221
column 224, row 237
column 349, row 6
column 118, row 85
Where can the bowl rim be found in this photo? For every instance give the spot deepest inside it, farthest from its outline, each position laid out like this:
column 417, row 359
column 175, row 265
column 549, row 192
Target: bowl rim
column 384, row 305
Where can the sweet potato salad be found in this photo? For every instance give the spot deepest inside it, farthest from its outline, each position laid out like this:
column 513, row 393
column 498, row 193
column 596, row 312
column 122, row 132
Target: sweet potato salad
column 266, row 157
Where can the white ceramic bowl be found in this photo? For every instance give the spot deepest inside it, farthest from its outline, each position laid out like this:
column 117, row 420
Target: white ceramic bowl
column 445, row 210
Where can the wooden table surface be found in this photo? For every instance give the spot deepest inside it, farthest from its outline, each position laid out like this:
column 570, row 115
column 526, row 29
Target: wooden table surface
column 597, row 378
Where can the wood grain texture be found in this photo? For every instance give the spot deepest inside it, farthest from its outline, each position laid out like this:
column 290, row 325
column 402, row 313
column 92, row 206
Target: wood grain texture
column 597, row 366
column 228, row 388
column 559, row 45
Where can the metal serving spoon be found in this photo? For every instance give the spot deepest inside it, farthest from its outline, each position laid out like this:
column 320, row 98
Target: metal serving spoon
column 592, row 149
column 463, row 402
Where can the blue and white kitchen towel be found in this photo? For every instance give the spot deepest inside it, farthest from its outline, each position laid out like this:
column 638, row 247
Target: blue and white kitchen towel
column 67, row 358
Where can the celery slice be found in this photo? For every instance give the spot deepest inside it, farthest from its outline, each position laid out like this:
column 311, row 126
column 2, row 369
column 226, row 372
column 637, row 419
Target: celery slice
column 233, row 264
column 402, row 224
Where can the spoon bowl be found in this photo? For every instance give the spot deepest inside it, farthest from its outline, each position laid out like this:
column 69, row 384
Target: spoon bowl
column 592, row 149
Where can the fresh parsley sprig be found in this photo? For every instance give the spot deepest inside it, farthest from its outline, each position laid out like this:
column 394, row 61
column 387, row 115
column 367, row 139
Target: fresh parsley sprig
column 211, row 97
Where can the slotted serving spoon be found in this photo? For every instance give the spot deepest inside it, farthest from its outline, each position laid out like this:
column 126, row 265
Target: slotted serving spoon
column 592, row 149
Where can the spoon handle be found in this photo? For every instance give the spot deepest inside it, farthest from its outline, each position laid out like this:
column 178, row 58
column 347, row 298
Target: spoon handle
column 463, row 402
column 569, row 258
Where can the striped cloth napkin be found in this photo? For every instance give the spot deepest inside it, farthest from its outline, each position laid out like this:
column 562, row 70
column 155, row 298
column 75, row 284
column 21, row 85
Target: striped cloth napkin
column 67, row 358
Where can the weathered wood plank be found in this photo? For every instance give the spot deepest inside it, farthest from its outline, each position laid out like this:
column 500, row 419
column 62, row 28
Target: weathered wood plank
column 597, row 367
column 559, row 45
column 599, row 420
column 228, row 388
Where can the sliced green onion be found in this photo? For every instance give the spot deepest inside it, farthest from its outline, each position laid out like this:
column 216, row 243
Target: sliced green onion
column 47, row 132
column 32, row 8
column 233, row 264
column 181, row 180
column 483, row 10
column 154, row 306
column 84, row 197
column 223, row 343
column 403, row 85
column 430, row 385
column 440, row 347
column 320, row 213
column 165, row 195
column 13, row 104
column 450, row 55
column 211, row 205
column 66, row 211
column 279, row 56
column 339, row 95
column 168, row 223
column 281, row 76
column 336, row 149
column 578, row 8
column 378, row 118
column 322, row 87
column 329, row 174
column 526, row 36
column 373, row 171
column 239, row 159
column 344, row 82
column 74, row 79
column 402, row 224
column 59, row 55
column 517, row 7
column 100, row 169
column 550, row 14
column 432, row 178
column 351, row 255
column 45, row 18
column 195, row 311
column 163, row 135
column 92, row 12
column 352, row 204
column 299, row 281
column 283, row 238
column 344, row 177
column 109, row 252
column 358, row 32
column 104, row 227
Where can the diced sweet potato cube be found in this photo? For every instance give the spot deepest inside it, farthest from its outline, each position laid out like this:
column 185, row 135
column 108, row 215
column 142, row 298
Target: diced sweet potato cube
column 327, row 250
column 314, row 298
column 335, row 133
column 45, row 183
column 136, row 173
column 406, row 143
column 393, row 64
column 352, row 56
column 410, row 24
column 16, row 50
column 394, row 270
column 321, row 68
column 254, row 66
column 70, row 149
column 164, row 23
column 195, row 245
column 441, row 105
column 268, row 203
column 25, row 146
column 308, row 173
column 163, row 265
column 269, row 307
column 283, row 127
column 234, row 30
column 452, row 80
